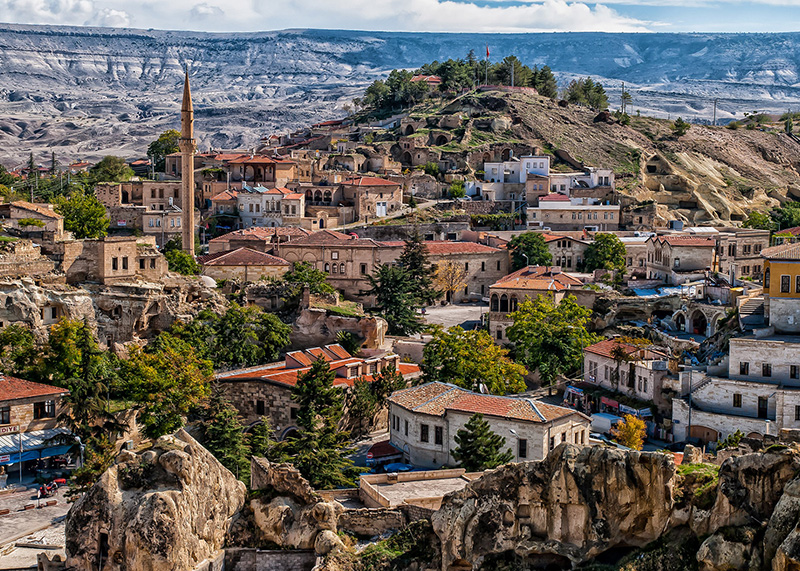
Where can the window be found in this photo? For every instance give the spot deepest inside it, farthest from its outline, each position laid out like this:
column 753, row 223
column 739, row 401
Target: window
column 335, row 268
column 737, row 400
column 341, row 268
column 499, row 333
column 483, row 269
column 260, row 407
column 114, row 263
column 141, row 263
column 645, row 384
column 766, row 370
column 522, row 448
column 151, row 223
column 796, row 413
column 744, row 368
column 334, row 255
column 363, row 269
column 327, row 267
column 797, row 284
column 498, row 264
column 552, row 442
column 124, row 262
column 406, row 427
column 732, row 250
column 5, row 415
column 466, row 266
column 438, row 435
column 766, row 278
column 746, row 249
column 152, row 263
column 785, row 284
column 423, row 433
column 794, row 372
column 677, row 262
column 46, row 409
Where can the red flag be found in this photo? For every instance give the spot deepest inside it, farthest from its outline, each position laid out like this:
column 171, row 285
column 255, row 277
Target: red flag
column 487, row 51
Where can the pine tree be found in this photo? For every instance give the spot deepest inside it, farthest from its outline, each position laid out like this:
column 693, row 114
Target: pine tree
column 478, row 447
column 396, row 299
column 317, row 398
column 261, row 441
column 223, row 436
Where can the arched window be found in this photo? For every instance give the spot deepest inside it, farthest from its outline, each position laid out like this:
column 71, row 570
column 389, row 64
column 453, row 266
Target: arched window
column 341, row 268
column 318, row 196
column 309, row 195
column 513, row 303
column 335, row 268
column 327, row 267
column 327, row 196
column 494, row 303
column 503, row 303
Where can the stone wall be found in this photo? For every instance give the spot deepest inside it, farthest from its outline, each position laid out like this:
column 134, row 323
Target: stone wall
column 239, row 559
column 433, row 232
column 23, row 258
column 369, row 522
column 276, row 401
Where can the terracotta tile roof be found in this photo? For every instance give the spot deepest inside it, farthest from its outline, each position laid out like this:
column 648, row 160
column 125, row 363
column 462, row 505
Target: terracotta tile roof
column 299, row 362
column 437, row 399
column 782, row 252
column 328, row 237
column 241, row 257
column 37, row 208
column 294, row 196
column 254, row 160
column 225, row 195
column 538, row 278
column 553, row 237
column 605, row 347
column 261, row 233
column 12, row 388
column 444, row 248
column 369, row 181
column 794, row 231
column 554, row 197
column 383, row 449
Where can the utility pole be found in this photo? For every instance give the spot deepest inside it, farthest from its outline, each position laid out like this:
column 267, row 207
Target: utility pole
column 715, row 111
column 512, row 74
column 622, row 95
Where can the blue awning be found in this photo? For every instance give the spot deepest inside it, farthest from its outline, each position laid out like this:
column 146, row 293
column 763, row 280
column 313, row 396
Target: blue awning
column 36, row 444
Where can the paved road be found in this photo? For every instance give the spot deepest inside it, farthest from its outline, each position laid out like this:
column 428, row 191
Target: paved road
column 467, row 315
column 359, row 455
column 19, row 523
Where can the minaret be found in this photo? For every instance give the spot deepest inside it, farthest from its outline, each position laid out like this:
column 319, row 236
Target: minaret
column 188, row 148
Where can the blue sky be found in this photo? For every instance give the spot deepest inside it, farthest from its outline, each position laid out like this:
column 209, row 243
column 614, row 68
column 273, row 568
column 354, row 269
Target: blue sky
column 415, row 15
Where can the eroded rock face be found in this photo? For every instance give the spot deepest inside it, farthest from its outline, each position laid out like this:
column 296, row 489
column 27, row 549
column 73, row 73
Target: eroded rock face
column 167, row 509
column 575, row 504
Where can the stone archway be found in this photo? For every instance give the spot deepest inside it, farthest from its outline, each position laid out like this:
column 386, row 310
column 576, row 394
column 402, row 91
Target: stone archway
column 699, row 323
column 441, row 140
column 406, row 158
column 506, row 155
column 409, row 130
column 679, row 319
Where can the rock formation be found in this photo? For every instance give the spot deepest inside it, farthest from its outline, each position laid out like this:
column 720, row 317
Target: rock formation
column 572, row 506
column 168, row 508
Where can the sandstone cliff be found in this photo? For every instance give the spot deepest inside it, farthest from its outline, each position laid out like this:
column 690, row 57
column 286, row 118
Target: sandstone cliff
column 168, row 509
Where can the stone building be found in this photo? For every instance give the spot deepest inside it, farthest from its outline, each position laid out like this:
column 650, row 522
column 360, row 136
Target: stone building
column 29, row 412
column 635, row 371
column 739, row 252
column 527, row 284
column 256, row 238
column 34, row 220
column 372, row 197
column 425, row 419
column 757, row 393
column 568, row 253
column 559, row 212
column 243, row 264
column 678, row 259
column 266, row 390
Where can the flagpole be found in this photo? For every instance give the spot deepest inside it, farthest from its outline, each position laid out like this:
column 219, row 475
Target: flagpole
column 487, row 64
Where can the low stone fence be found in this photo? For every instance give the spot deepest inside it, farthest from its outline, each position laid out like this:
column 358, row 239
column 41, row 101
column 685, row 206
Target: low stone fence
column 369, row 522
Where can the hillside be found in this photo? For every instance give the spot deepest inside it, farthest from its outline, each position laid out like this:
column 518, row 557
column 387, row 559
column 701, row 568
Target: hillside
column 91, row 91
column 711, row 174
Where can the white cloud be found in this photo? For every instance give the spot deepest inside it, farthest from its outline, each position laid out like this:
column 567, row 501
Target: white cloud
column 204, row 11
column 110, row 18
column 46, row 11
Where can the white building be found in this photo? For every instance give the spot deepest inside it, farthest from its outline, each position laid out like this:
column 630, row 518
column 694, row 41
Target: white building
column 759, row 395
column 568, row 183
column 559, row 212
column 260, row 206
column 424, row 421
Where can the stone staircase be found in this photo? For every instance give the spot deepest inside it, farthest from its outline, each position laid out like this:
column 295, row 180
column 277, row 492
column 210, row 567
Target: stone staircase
column 751, row 314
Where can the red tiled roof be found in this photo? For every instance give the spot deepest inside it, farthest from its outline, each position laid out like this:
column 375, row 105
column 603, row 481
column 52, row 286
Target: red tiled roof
column 443, row 248
column 294, row 196
column 241, row 257
column 686, row 241
column 554, row 197
column 287, row 374
column 225, row 195
column 12, row 388
column 37, row 208
column 369, row 181
column 605, row 347
column 333, row 237
column 438, row 398
column 427, row 78
column 261, row 233
column 383, row 449
column 782, row 252
column 538, row 278
column 794, row 231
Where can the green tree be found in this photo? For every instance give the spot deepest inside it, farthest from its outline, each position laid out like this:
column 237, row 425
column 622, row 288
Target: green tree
column 84, row 215
column 478, row 448
column 511, row 68
column 470, row 359
column 166, row 144
column 549, row 337
column 182, row 263
column 414, row 260
column 261, row 441
column 165, row 381
column 788, row 125
column 431, row 168
column 760, row 221
column 247, row 336
column 606, row 252
column 318, row 450
column 395, row 299
column 304, row 274
column 111, row 169
column 19, row 352
column 533, row 246
column 545, row 82
column 223, row 434
column 53, row 164
column 362, row 406
column 627, row 99
column 787, row 216
column 456, row 189
column 586, row 92
column 680, row 127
